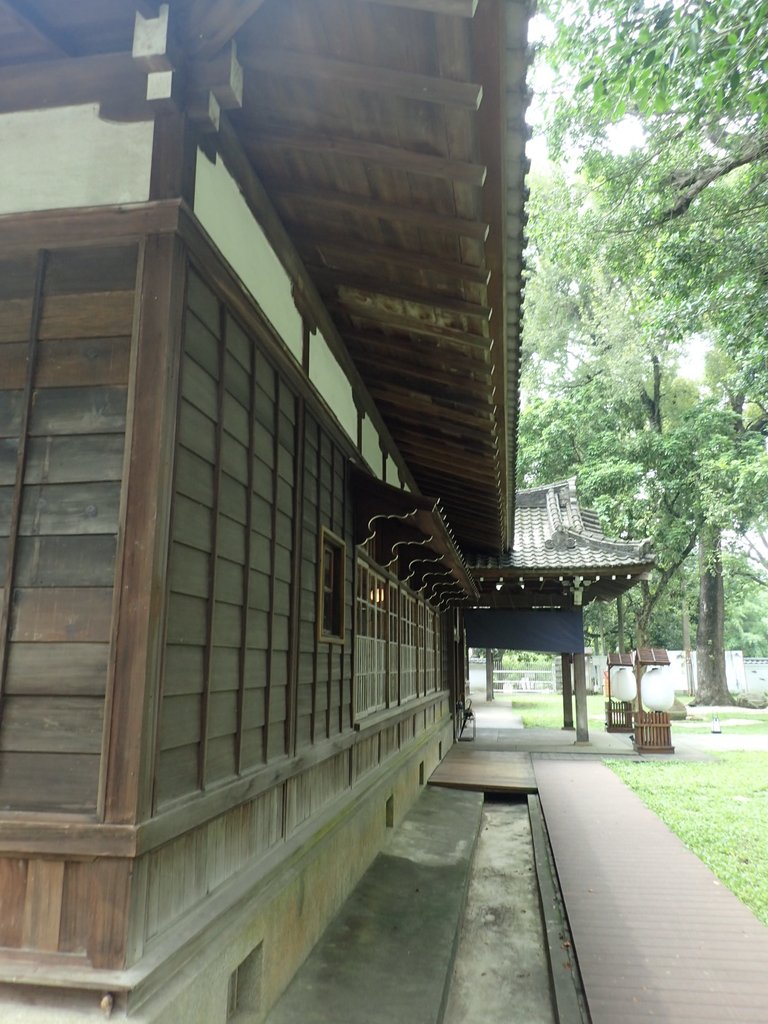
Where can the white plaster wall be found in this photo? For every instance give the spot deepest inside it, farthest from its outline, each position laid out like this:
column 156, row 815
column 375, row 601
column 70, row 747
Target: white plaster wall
column 68, row 157
column 393, row 477
column 226, row 217
column 332, row 383
column 371, row 451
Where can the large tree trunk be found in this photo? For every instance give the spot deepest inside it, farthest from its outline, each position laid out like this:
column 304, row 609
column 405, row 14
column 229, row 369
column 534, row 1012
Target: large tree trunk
column 711, row 685
column 642, row 622
column 620, row 624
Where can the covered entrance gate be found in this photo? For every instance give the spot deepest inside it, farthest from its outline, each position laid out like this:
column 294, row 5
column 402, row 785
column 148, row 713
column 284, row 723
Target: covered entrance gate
column 532, row 597
column 552, row 631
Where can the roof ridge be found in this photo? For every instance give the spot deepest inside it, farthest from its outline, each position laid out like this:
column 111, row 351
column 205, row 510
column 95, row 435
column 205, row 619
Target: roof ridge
column 608, row 544
column 548, row 487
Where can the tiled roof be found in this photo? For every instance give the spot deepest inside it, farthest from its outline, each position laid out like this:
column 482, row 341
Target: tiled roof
column 553, row 532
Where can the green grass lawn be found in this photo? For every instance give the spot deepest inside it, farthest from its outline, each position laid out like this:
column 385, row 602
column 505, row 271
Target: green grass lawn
column 545, row 710
column 720, row 811
column 739, row 721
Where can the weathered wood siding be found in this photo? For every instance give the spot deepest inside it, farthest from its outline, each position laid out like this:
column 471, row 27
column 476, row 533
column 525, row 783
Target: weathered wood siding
column 65, row 329
column 247, row 716
column 58, row 906
column 194, row 866
column 230, row 677
column 325, row 669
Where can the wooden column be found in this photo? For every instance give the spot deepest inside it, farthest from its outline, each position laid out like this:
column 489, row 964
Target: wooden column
column 580, row 688
column 620, row 614
column 153, row 397
column 565, row 660
column 489, row 673
column 457, row 662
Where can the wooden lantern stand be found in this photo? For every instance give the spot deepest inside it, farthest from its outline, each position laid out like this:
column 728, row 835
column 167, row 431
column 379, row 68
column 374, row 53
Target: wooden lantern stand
column 618, row 713
column 653, row 732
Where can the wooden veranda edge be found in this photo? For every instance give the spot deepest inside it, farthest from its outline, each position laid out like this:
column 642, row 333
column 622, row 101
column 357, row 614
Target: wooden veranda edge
column 219, row 918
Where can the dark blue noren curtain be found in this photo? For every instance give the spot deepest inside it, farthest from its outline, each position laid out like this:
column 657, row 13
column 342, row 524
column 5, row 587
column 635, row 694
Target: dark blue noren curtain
column 556, row 632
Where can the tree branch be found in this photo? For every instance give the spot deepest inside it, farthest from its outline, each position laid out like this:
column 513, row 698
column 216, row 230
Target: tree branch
column 691, row 184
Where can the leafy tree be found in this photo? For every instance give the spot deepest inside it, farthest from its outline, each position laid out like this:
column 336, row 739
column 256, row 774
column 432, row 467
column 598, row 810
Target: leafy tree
column 689, row 69
column 637, row 253
column 746, row 598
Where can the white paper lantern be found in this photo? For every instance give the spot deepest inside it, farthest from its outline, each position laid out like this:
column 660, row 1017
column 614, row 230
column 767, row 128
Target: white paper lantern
column 623, row 684
column 657, row 689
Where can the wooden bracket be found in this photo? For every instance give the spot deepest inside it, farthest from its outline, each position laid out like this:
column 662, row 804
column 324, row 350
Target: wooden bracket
column 223, row 76
column 204, row 87
column 151, row 41
column 152, row 51
column 204, row 109
column 164, row 89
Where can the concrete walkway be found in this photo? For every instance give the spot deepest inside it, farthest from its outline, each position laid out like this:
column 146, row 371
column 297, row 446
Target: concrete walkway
column 501, row 973
column 387, row 957
column 500, row 727
column 656, row 937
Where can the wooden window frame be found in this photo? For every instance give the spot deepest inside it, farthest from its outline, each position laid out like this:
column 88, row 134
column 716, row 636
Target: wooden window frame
column 328, row 539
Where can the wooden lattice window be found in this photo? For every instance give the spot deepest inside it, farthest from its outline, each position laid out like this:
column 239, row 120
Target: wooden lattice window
column 331, row 589
column 371, row 641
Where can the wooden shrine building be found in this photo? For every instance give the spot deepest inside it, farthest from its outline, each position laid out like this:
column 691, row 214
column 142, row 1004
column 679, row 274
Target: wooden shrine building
column 532, row 596
column 260, row 284
column 260, row 292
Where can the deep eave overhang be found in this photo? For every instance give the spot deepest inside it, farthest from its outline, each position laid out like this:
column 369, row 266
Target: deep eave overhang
column 396, row 173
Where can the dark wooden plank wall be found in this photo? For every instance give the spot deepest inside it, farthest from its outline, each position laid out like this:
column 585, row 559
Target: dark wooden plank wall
column 65, row 328
column 247, row 679
column 225, row 679
column 228, row 680
column 325, row 668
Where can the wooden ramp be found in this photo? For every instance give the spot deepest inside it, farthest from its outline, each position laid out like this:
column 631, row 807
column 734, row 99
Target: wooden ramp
column 657, row 937
column 487, row 771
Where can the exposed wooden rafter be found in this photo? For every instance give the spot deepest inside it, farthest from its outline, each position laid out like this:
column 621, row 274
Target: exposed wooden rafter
column 423, row 443
column 339, row 252
column 211, row 25
column 359, row 289
column 368, row 207
column 407, row 407
column 394, row 369
column 347, row 147
column 382, row 349
column 33, row 24
column 418, row 329
column 477, row 503
column 475, row 468
column 383, row 81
